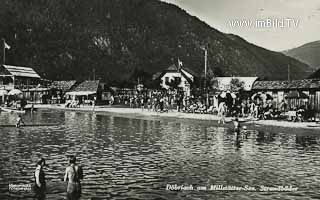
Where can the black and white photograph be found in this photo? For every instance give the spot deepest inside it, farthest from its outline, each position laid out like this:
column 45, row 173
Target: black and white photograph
column 159, row 99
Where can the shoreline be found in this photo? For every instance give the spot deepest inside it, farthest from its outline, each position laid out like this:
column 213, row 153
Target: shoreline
column 180, row 115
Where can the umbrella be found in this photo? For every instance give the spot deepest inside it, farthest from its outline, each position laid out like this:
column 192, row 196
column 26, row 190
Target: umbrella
column 296, row 95
column 256, row 96
column 228, row 94
column 15, row 92
column 261, row 96
column 3, row 92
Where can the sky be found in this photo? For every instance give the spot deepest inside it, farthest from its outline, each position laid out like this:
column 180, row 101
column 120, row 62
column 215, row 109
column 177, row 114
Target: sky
column 273, row 24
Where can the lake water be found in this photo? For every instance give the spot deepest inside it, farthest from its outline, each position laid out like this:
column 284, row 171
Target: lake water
column 137, row 157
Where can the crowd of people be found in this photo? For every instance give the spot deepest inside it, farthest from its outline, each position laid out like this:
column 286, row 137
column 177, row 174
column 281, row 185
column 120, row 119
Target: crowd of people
column 157, row 101
column 224, row 107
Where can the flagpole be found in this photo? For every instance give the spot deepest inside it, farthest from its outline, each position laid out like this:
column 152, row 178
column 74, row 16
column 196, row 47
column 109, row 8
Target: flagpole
column 205, row 73
column 4, row 51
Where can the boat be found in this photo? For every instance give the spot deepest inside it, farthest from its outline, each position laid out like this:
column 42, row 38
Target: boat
column 10, row 110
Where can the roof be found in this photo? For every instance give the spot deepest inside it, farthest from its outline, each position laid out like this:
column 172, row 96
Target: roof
column 21, row 71
column 156, row 75
column 85, row 86
column 281, row 85
column 172, row 67
column 190, row 71
column 224, row 82
column 63, row 85
column 186, row 77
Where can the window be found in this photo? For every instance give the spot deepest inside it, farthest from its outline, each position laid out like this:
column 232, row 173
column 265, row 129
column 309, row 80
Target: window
column 178, row 79
column 167, row 79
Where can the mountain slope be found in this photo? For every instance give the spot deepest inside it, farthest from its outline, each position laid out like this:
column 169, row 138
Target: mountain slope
column 67, row 39
column 307, row 53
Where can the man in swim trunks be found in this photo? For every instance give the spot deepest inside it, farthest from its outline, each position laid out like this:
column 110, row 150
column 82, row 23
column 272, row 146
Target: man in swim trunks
column 73, row 175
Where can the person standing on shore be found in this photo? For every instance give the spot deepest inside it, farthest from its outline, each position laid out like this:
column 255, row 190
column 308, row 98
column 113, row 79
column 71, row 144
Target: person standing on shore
column 40, row 180
column 149, row 104
column 221, row 112
column 142, row 103
column 94, row 103
column 73, row 175
column 161, row 103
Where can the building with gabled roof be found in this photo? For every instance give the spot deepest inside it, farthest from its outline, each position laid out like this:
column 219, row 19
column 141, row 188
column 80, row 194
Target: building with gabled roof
column 85, row 88
column 21, row 71
column 59, row 88
column 184, row 76
column 63, row 86
column 279, row 90
column 18, row 77
column 26, row 79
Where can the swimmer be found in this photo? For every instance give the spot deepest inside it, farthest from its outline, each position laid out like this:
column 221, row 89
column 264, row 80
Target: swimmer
column 19, row 121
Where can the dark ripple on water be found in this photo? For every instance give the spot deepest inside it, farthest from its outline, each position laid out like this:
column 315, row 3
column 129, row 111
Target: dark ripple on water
column 136, row 158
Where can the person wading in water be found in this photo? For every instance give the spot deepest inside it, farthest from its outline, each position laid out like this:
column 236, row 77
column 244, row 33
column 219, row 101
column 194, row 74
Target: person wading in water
column 40, row 180
column 236, row 131
column 19, row 121
column 221, row 112
column 73, row 175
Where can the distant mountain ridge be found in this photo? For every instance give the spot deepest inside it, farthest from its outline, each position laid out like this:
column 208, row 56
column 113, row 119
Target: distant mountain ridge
column 308, row 53
column 119, row 40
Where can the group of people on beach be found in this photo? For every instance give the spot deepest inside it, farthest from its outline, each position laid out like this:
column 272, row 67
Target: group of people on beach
column 73, row 176
column 158, row 102
column 238, row 106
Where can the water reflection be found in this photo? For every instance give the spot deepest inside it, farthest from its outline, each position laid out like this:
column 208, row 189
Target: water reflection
column 265, row 137
column 127, row 157
column 307, row 140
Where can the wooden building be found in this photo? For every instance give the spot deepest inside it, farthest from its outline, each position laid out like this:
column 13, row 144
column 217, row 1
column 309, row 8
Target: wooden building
column 296, row 92
column 86, row 91
column 24, row 79
column 15, row 77
column 58, row 89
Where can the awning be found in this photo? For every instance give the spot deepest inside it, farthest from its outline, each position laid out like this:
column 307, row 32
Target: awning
column 81, row 93
column 15, row 92
column 36, row 90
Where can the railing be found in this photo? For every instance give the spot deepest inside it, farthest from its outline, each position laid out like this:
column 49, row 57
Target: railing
column 6, row 87
column 20, row 87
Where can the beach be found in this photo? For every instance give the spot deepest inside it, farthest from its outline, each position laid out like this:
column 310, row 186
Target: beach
column 289, row 125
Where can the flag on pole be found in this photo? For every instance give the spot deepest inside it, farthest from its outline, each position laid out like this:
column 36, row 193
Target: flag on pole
column 6, row 46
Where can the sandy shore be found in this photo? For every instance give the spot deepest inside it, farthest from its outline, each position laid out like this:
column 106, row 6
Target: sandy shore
column 174, row 114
